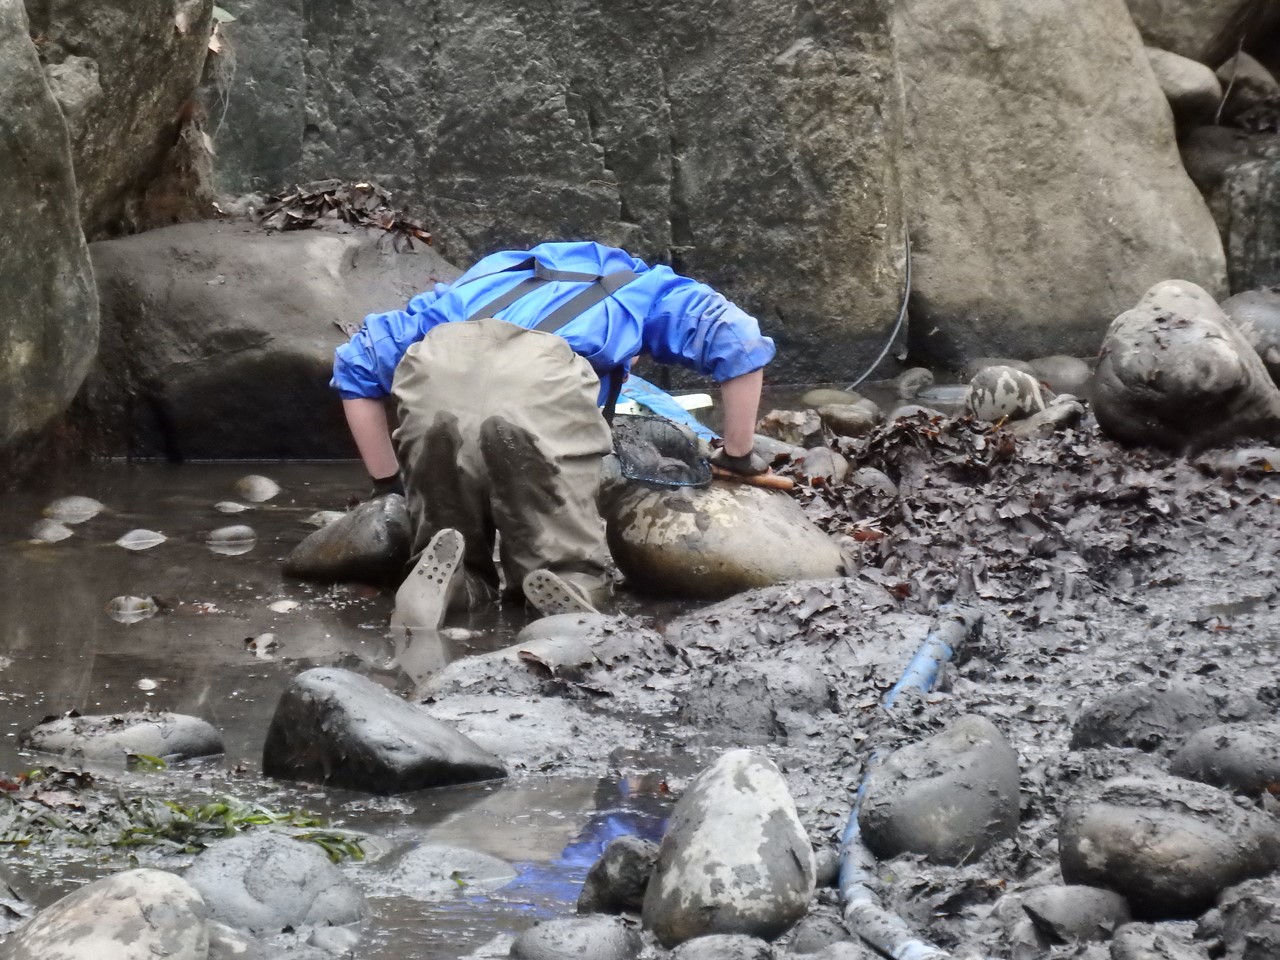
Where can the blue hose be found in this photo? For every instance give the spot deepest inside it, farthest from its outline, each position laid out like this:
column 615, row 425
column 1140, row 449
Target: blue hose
column 886, row 932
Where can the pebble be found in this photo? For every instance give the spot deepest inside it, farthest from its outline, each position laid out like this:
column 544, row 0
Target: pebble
column 131, row 609
column 230, row 506
column 231, row 541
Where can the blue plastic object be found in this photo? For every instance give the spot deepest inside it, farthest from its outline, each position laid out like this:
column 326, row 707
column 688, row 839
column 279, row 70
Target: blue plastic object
column 643, row 392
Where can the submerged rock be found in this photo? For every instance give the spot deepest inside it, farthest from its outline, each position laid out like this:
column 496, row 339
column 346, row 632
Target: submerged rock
column 1062, row 374
column 1236, row 756
column 596, row 937
column 1156, row 716
column 263, row 882
column 948, row 798
column 1169, row 846
column 170, row 736
column 135, row 915
column 735, row 857
column 50, row 531
column 616, row 882
column 822, row 396
column 256, row 488
column 370, row 544
column 73, row 510
column 1175, row 373
column 717, row 541
column 336, row 728
column 1003, row 393
column 436, row 872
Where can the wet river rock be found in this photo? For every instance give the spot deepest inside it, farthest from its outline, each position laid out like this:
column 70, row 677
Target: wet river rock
column 948, row 798
column 1157, row 716
column 135, row 915
column 1246, row 921
column 724, row 946
column 1043, row 916
column 368, row 545
column 430, row 872
column 714, row 542
column 1169, row 846
column 735, row 857
column 1236, row 756
column 1144, row 941
column 170, row 736
column 1004, row 393
column 616, row 882
column 262, row 882
column 1175, row 373
column 336, row 728
column 595, row 937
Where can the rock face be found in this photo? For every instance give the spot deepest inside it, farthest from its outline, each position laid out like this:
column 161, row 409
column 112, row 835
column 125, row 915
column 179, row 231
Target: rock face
column 371, row 544
column 1169, row 846
column 1043, row 142
column 124, row 72
column 48, row 305
column 735, row 858
column 1175, row 373
column 626, row 123
column 1256, row 313
column 263, row 882
column 1236, row 756
column 601, row 938
column 1155, row 716
column 948, row 798
column 336, row 728
column 616, row 882
column 716, row 541
column 218, row 338
column 136, row 915
column 170, row 736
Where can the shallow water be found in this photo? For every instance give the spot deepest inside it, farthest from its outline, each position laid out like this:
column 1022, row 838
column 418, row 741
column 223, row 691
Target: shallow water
column 63, row 651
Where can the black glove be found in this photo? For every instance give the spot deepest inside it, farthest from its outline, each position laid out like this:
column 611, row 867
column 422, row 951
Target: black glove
column 386, row 485
column 749, row 465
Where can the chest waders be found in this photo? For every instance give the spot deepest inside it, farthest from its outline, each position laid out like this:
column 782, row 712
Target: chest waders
column 599, row 287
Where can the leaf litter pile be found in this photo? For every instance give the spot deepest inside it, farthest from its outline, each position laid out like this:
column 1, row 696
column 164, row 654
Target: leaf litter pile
column 337, row 201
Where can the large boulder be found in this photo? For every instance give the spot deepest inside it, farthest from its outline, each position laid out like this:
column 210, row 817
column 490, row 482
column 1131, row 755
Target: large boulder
column 343, row 730
column 136, row 915
column 1175, row 373
column 124, row 73
column 48, row 305
column 1059, row 198
column 735, row 857
column 218, row 338
column 713, row 542
column 750, row 146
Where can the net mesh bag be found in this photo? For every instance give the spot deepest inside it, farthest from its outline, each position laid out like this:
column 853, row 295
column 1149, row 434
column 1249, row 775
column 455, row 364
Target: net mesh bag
column 656, row 450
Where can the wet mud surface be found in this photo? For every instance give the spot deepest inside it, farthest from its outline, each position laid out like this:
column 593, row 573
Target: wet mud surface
column 1096, row 569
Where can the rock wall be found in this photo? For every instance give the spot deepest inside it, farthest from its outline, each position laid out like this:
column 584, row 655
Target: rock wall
column 1046, row 191
column 124, row 72
column 48, row 304
column 751, row 144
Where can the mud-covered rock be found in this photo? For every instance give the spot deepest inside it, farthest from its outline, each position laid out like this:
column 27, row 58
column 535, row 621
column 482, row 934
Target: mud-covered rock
column 816, row 932
column 799, row 428
column 263, row 882
column 1191, row 88
column 1169, row 846
column 735, row 857
column 339, row 729
column 1256, row 314
column 760, row 701
column 598, row 937
column 1044, row 916
column 430, row 872
column 170, row 736
column 1003, row 393
column 822, row 465
column 947, row 798
column 910, row 383
column 370, row 544
column 1157, row 715
column 616, row 882
column 716, row 541
column 1062, row 412
column 876, row 481
column 849, row 419
column 724, row 946
column 1175, row 373
column 1246, row 921
column 1148, row 941
column 1244, row 757
column 1062, row 374
column 135, row 915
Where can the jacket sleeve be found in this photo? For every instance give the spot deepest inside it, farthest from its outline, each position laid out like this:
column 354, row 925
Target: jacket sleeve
column 692, row 325
column 365, row 365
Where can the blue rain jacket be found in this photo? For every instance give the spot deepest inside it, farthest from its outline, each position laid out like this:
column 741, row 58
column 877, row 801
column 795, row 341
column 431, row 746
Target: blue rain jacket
column 672, row 318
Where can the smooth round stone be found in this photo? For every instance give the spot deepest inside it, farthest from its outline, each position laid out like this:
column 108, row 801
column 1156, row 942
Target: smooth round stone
column 50, row 531
column 170, row 736
column 369, row 544
column 141, row 540
column 1003, row 393
column 135, row 915
column 256, row 488
column 1236, row 756
column 232, row 541
column 847, row 420
column 1062, row 914
column 1155, row 716
column 1256, row 314
column 596, row 937
column 911, row 382
column 1061, row 413
column 822, row 464
column 437, row 872
column 73, row 510
column 822, row 396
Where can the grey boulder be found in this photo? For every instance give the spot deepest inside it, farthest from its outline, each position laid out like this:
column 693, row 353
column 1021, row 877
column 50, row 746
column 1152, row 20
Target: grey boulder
column 170, row 736
column 1156, row 716
column 1256, row 314
column 713, row 542
column 370, row 544
column 948, row 798
column 1175, row 373
column 1243, row 757
column 339, row 729
column 1169, row 846
column 263, row 882
column 616, row 882
column 1003, row 393
column 1190, row 87
column 596, row 937
column 735, row 858
column 135, row 915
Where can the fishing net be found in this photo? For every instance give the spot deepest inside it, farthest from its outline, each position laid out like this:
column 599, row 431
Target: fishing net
column 656, row 450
